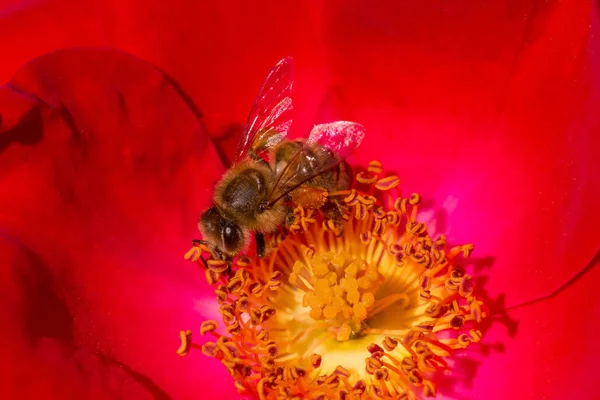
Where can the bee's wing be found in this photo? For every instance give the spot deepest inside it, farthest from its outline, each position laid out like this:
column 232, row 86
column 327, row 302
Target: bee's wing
column 341, row 137
column 270, row 116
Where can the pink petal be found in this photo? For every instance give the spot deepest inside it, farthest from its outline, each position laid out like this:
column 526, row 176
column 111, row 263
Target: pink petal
column 492, row 112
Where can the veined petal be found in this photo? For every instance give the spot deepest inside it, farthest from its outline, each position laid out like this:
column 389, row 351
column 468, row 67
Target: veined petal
column 104, row 170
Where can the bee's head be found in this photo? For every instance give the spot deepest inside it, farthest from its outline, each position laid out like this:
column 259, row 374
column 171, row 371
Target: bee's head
column 225, row 237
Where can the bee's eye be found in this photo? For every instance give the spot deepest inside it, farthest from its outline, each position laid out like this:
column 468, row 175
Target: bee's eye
column 232, row 237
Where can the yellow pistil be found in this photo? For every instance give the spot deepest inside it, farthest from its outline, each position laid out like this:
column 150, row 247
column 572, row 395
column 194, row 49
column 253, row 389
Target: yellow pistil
column 339, row 289
column 369, row 308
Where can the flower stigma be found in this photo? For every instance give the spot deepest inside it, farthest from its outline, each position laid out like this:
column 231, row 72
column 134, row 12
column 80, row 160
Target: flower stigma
column 369, row 307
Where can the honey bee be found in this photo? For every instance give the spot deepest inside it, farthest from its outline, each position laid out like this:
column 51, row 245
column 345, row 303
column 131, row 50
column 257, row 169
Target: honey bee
column 271, row 175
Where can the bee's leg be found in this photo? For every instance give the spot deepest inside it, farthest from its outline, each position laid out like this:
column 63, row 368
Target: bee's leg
column 260, row 244
column 340, row 227
column 204, row 261
column 290, row 218
column 341, row 209
column 334, row 211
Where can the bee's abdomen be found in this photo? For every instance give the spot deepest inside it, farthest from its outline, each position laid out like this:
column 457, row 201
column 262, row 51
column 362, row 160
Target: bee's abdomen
column 312, row 162
column 300, row 166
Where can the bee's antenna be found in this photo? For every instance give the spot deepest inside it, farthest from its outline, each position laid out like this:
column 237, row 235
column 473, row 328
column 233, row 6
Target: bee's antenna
column 204, row 261
column 229, row 267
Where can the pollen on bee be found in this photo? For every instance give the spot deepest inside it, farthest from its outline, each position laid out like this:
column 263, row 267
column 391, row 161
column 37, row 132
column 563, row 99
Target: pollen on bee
column 365, row 306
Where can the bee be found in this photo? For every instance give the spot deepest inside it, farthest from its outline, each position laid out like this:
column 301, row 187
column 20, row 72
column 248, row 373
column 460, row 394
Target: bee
column 271, row 175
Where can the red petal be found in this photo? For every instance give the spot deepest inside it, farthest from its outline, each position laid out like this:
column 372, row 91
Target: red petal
column 31, row 28
column 487, row 107
column 221, row 52
column 102, row 180
column 218, row 53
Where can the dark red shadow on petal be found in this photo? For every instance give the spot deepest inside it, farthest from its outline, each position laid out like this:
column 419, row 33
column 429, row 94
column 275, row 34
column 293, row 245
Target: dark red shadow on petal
column 225, row 139
column 220, row 139
column 594, row 262
column 45, row 313
column 46, row 316
column 467, row 362
column 157, row 392
column 102, row 175
column 27, row 132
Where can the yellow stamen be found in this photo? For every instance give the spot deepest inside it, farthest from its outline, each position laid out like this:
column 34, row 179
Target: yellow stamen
column 186, row 342
column 366, row 307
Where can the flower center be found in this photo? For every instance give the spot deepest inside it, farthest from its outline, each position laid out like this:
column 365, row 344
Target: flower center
column 367, row 308
column 339, row 289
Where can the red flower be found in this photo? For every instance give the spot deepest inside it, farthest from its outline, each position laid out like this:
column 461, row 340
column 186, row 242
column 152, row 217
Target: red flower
column 487, row 110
